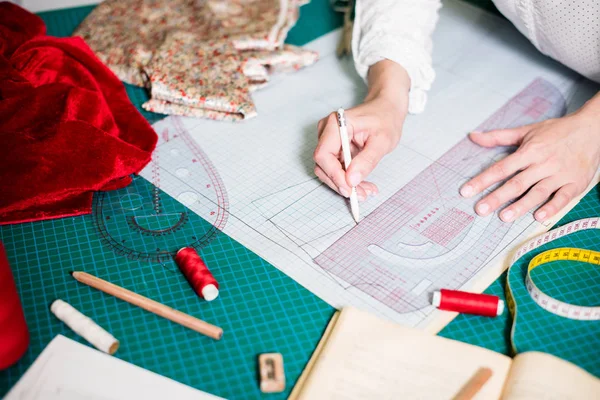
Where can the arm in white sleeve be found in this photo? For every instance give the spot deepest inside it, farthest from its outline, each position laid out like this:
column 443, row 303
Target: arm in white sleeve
column 400, row 31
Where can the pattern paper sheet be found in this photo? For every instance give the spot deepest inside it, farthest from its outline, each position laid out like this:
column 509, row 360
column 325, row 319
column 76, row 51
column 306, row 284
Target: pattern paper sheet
column 418, row 234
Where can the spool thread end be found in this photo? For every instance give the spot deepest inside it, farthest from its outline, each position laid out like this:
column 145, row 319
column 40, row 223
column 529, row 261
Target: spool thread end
column 500, row 307
column 436, row 298
column 210, row 292
column 181, row 249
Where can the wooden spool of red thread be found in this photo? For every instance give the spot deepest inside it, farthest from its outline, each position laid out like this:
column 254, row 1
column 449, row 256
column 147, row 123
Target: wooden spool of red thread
column 14, row 335
column 197, row 273
column 468, row 303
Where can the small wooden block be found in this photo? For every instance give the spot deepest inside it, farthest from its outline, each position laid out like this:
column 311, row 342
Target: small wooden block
column 272, row 376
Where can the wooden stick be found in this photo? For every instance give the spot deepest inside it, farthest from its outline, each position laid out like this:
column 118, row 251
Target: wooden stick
column 147, row 304
column 474, row 385
column 301, row 382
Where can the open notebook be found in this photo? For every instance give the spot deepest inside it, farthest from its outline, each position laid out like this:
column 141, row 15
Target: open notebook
column 364, row 357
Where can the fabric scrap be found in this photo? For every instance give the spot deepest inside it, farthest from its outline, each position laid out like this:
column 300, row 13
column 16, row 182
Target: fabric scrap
column 197, row 58
column 213, row 80
column 207, row 75
column 67, row 127
column 125, row 34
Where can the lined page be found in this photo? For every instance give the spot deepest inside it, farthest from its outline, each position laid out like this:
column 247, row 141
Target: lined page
column 369, row 358
column 546, row 377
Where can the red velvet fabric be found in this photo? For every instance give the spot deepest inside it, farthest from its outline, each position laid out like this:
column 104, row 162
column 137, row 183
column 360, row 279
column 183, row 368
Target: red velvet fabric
column 67, row 127
column 14, row 335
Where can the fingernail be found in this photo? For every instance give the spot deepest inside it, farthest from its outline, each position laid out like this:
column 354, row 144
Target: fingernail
column 344, row 192
column 354, row 178
column 508, row 215
column 482, row 209
column 541, row 215
column 361, row 197
column 369, row 192
column 466, row 191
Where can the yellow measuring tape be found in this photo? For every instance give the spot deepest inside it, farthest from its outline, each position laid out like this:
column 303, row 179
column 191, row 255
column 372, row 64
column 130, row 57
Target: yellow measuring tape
column 551, row 304
column 548, row 303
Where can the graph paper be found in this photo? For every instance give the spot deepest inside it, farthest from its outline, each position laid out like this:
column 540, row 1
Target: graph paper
column 418, row 234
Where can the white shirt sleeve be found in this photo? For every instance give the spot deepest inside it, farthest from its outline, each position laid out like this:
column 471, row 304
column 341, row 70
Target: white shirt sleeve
column 400, row 31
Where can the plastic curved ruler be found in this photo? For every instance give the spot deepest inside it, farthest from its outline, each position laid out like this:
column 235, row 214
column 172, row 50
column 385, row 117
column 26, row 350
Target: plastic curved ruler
column 548, row 303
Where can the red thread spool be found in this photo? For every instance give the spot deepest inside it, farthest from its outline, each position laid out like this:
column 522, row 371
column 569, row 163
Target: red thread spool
column 196, row 272
column 14, row 335
column 468, row 303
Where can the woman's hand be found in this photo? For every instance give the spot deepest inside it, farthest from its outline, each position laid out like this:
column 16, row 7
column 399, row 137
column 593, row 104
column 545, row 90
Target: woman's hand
column 556, row 160
column 374, row 129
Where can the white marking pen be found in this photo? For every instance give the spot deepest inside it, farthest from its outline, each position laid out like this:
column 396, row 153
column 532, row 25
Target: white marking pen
column 347, row 161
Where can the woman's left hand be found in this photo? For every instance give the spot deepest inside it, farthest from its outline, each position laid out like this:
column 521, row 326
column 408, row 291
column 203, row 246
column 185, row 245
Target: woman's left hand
column 556, row 160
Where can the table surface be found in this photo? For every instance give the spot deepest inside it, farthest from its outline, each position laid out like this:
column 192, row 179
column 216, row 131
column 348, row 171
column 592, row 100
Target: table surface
column 260, row 309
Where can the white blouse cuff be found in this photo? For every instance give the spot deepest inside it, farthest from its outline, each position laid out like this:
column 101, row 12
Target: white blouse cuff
column 416, row 62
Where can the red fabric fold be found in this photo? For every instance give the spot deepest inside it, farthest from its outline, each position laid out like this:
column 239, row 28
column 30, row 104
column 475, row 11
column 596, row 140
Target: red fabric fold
column 14, row 335
column 67, row 127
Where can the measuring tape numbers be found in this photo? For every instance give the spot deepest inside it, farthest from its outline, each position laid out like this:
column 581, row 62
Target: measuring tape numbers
column 550, row 304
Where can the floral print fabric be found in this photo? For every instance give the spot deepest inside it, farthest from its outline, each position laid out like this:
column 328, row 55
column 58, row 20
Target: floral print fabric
column 199, row 58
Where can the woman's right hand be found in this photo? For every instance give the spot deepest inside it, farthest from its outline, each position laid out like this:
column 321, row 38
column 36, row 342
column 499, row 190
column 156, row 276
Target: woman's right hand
column 374, row 130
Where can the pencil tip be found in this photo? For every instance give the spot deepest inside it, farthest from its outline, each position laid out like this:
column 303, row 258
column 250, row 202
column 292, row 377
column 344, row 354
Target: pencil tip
column 354, row 207
column 71, row 273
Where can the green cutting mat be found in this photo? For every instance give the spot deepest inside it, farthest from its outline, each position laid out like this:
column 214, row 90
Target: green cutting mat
column 260, row 308
column 572, row 282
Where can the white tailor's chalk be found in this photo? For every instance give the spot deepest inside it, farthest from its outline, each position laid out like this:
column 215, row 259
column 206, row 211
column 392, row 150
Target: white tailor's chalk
column 85, row 327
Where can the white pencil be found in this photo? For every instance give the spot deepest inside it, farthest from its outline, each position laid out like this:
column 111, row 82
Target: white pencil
column 347, row 161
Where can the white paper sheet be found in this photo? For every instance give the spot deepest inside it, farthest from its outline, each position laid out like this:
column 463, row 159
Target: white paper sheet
column 277, row 208
column 67, row 370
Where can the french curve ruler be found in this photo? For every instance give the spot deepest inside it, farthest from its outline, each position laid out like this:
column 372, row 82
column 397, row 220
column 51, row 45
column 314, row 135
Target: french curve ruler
column 550, row 304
